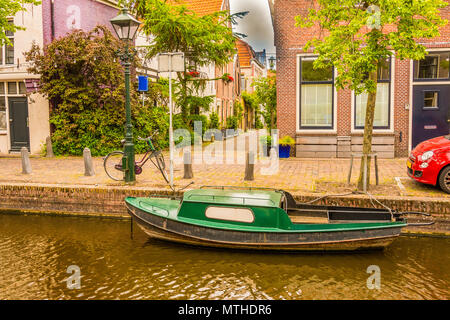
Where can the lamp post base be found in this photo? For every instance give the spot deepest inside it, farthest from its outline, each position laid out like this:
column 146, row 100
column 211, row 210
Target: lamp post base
column 130, row 175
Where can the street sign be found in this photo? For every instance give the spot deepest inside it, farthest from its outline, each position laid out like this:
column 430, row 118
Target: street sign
column 143, row 83
column 171, row 62
column 177, row 62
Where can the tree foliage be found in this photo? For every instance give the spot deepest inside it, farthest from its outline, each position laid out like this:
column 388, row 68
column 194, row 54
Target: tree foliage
column 250, row 101
column 356, row 36
column 204, row 40
column 82, row 77
column 266, row 95
column 9, row 8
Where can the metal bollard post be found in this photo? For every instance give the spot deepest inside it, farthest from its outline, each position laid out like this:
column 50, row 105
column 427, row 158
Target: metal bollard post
column 26, row 164
column 376, row 169
column 349, row 177
column 250, row 166
column 365, row 174
column 187, row 160
column 48, row 143
column 88, row 166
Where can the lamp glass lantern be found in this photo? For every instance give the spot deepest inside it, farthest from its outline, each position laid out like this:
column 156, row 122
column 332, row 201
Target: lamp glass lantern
column 272, row 62
column 125, row 25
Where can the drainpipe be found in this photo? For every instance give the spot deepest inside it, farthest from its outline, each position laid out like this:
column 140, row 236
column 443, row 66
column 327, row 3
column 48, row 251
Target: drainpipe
column 52, row 20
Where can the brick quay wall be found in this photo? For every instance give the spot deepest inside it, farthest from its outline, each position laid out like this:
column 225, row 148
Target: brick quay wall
column 108, row 201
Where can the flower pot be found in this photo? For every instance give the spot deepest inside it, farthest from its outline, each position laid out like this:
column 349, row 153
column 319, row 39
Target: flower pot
column 284, row 151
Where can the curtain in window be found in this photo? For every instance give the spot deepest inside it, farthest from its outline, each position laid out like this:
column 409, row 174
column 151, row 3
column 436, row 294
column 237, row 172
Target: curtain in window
column 317, row 105
column 381, row 118
column 2, row 113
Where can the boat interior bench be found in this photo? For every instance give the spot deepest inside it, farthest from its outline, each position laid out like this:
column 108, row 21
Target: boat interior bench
column 309, row 213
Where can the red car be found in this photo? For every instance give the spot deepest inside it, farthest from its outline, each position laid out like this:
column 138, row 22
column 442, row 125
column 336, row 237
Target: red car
column 429, row 162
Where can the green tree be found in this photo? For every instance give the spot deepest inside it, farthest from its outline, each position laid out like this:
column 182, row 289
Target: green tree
column 204, row 40
column 9, row 8
column 251, row 103
column 266, row 95
column 82, row 77
column 356, row 36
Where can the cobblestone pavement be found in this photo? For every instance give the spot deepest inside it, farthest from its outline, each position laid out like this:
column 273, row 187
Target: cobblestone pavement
column 309, row 176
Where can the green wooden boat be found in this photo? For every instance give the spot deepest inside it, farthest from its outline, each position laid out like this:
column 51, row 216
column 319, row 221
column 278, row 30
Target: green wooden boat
column 263, row 219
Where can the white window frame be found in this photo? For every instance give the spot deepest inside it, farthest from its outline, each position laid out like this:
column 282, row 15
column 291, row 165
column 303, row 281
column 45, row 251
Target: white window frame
column 297, row 99
column 391, row 105
column 4, row 46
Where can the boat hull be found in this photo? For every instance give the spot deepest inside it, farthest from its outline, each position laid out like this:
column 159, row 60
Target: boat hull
column 180, row 232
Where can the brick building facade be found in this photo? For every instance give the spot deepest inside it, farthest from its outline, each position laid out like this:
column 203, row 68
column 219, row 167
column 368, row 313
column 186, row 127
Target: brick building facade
column 252, row 68
column 226, row 93
column 24, row 113
column 413, row 97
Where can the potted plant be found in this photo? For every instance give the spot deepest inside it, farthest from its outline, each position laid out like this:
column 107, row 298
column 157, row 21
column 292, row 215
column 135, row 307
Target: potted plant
column 284, row 146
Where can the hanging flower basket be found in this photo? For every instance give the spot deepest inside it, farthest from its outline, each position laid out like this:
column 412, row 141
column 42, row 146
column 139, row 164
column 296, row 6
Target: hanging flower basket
column 194, row 74
column 227, row 78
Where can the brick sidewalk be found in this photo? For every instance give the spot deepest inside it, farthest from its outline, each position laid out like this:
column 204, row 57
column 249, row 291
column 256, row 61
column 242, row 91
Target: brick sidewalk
column 308, row 176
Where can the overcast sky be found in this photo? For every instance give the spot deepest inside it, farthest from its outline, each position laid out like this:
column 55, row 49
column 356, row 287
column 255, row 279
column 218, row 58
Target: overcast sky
column 257, row 25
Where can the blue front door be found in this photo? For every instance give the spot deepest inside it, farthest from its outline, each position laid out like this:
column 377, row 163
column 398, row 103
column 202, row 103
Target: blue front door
column 431, row 112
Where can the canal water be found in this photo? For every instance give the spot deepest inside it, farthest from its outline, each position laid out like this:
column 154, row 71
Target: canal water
column 36, row 252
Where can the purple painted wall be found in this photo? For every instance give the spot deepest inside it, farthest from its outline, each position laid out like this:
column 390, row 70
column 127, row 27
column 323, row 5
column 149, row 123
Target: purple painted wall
column 73, row 14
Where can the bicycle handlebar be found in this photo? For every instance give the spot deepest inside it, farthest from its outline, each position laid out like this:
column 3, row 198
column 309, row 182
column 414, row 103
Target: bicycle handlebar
column 149, row 137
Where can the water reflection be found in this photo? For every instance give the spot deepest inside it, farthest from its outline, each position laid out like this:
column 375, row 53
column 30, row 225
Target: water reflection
column 36, row 251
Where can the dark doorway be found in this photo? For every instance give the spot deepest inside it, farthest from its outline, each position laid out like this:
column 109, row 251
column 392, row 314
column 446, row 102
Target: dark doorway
column 18, row 123
column 431, row 112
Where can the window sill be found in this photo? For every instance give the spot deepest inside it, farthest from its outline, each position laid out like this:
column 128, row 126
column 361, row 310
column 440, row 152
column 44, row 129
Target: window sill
column 317, row 131
column 375, row 131
column 3, row 132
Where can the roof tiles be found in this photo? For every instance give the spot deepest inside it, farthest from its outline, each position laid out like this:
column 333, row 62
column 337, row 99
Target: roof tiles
column 203, row 7
column 245, row 53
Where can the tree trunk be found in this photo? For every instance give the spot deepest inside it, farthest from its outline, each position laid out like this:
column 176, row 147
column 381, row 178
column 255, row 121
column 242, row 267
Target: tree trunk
column 368, row 132
column 272, row 121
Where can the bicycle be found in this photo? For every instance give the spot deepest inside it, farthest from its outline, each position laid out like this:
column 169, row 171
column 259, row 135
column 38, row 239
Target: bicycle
column 113, row 161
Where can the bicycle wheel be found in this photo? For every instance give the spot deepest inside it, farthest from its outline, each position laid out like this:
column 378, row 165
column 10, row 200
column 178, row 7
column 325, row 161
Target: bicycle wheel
column 163, row 162
column 113, row 165
column 162, row 166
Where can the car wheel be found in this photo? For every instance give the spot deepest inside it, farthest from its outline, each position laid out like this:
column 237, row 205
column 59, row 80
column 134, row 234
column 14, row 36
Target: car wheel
column 444, row 179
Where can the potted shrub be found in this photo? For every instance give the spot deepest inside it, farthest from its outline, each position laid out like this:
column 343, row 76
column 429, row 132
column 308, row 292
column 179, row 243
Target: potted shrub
column 284, row 146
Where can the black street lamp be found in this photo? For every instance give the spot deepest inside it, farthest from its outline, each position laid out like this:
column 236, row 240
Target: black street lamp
column 126, row 27
column 272, row 62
